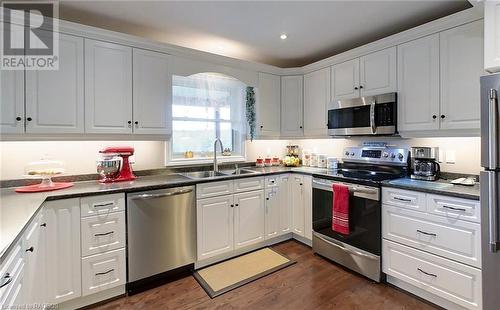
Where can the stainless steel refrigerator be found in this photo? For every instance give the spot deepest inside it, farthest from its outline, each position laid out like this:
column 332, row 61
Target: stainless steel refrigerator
column 490, row 190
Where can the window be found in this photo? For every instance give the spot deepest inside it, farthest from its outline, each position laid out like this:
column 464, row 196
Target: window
column 207, row 106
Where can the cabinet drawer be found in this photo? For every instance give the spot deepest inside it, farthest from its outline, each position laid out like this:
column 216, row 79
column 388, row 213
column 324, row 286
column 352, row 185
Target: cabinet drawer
column 102, row 204
column 453, row 281
column 457, row 240
column 454, row 208
column 103, row 233
column 214, row 189
column 403, row 198
column 10, row 271
column 103, row 271
column 248, row 184
column 272, row 181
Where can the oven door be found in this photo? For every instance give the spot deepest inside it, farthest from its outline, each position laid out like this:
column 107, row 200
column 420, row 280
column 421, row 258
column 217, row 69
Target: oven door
column 364, row 215
column 374, row 115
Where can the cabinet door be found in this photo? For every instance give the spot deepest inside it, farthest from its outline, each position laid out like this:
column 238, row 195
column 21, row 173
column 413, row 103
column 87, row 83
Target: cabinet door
column 63, row 250
column 378, row 72
column 152, row 93
column 297, row 197
column 54, row 98
column 249, row 218
column 345, row 80
column 307, row 201
column 273, row 204
column 492, row 36
column 316, row 98
column 292, row 105
column 12, row 99
column 418, row 84
column 286, row 214
column 108, row 87
column 34, row 275
column 214, row 226
column 268, row 105
column 461, row 62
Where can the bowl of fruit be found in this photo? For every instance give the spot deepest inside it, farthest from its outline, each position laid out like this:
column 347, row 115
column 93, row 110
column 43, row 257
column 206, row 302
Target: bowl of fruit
column 291, row 161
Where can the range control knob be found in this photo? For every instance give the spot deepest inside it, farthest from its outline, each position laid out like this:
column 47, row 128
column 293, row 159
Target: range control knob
column 352, row 153
column 346, row 153
column 385, row 154
column 393, row 155
column 400, row 156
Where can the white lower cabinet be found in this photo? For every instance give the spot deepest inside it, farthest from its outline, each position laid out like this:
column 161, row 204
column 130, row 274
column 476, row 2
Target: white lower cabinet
column 272, row 205
column 34, row 243
column 249, row 218
column 103, row 271
column 301, row 204
column 432, row 247
column 286, row 215
column 214, row 226
column 63, row 250
column 103, row 233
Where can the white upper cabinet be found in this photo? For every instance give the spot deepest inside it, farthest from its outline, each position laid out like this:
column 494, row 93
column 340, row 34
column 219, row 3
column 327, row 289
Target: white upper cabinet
column 378, row 72
column 54, row 98
column 152, row 105
column 316, row 98
column 345, row 80
column 249, row 218
column 108, row 87
column 292, row 105
column 268, row 105
column 12, row 101
column 418, row 84
column 492, row 35
column 461, row 63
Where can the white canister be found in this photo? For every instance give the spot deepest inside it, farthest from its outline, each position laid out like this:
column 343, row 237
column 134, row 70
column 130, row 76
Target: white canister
column 322, row 160
column 332, row 163
column 306, row 158
column 314, row 160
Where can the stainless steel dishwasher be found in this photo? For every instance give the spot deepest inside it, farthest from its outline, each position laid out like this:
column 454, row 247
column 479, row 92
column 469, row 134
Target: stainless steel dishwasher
column 161, row 232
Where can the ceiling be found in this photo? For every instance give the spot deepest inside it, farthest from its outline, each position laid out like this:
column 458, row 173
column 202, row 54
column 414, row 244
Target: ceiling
column 251, row 30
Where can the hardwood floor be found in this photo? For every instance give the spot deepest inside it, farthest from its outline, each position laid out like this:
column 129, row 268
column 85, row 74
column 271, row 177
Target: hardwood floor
column 312, row 283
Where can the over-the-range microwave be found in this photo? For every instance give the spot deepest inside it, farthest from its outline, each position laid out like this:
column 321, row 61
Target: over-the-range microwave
column 364, row 116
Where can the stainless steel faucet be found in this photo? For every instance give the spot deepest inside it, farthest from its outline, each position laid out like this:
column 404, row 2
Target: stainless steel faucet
column 216, row 166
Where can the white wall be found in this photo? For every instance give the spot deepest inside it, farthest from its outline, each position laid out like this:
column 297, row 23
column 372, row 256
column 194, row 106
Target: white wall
column 80, row 156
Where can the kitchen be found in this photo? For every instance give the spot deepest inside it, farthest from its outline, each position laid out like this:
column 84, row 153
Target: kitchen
column 149, row 170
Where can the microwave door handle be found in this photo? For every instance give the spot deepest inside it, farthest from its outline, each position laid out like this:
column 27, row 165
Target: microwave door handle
column 493, row 130
column 372, row 117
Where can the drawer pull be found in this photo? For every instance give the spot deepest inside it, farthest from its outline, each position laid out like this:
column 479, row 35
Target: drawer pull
column 426, row 233
column 105, row 272
column 5, row 280
column 453, row 208
column 427, row 273
column 104, row 234
column 104, row 205
column 402, row 199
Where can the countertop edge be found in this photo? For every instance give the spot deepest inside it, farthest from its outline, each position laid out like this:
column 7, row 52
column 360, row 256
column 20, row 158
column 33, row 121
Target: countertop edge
column 433, row 191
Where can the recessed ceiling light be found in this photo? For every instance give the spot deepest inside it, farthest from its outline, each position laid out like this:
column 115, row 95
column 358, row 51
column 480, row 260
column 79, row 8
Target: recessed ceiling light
column 283, row 36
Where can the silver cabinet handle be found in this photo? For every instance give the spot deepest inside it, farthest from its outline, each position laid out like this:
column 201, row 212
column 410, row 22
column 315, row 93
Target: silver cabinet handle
column 427, row 273
column 453, row 208
column 152, row 196
column 6, row 279
column 402, row 199
column 102, row 205
column 105, row 272
column 426, row 233
column 493, row 211
column 104, row 234
column 493, row 129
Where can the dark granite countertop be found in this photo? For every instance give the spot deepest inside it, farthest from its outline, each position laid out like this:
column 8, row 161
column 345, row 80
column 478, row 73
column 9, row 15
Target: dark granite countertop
column 440, row 187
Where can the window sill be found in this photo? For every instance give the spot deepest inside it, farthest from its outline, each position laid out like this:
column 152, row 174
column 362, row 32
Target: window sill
column 204, row 161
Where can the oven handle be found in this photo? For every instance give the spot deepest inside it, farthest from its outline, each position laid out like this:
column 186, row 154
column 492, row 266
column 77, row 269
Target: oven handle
column 354, row 189
column 350, row 251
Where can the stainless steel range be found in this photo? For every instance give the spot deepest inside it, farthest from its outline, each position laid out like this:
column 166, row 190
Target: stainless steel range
column 362, row 171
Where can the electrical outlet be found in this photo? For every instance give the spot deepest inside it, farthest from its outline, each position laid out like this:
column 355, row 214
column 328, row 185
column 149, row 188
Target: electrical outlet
column 450, row 156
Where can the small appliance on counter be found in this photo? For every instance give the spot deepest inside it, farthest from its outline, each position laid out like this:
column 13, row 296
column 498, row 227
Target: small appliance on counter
column 424, row 163
column 45, row 170
column 114, row 164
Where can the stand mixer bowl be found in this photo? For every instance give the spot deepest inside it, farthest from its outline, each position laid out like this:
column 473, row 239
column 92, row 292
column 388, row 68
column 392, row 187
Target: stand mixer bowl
column 108, row 167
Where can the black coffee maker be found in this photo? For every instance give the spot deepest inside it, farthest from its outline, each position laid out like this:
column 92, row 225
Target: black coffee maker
column 424, row 163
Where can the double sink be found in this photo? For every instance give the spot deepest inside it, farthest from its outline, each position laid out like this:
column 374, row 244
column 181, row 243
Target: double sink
column 198, row 175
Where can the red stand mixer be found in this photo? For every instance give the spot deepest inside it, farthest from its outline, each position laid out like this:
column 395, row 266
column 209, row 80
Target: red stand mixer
column 114, row 164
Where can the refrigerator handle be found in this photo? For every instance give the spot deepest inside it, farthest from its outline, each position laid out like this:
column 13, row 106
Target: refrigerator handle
column 492, row 211
column 493, row 130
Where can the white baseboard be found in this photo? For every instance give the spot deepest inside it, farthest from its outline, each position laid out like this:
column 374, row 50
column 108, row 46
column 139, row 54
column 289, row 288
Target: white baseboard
column 92, row 299
column 303, row 240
